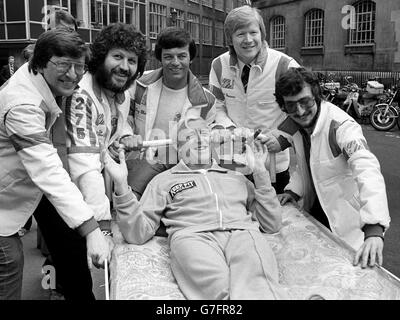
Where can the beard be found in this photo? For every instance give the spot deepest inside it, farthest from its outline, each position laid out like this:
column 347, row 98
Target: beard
column 104, row 79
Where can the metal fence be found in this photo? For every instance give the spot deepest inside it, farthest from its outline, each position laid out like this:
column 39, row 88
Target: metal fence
column 388, row 79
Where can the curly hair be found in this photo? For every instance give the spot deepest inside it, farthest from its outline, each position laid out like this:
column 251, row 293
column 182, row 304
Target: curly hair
column 56, row 42
column 118, row 35
column 173, row 37
column 292, row 82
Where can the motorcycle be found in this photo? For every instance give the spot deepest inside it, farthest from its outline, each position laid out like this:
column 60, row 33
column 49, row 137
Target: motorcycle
column 360, row 105
column 384, row 115
column 329, row 89
column 342, row 97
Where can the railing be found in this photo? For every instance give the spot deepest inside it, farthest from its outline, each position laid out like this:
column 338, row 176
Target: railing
column 388, row 79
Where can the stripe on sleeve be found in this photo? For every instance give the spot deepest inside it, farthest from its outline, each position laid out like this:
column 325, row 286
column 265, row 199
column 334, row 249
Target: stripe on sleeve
column 21, row 142
column 217, row 66
column 68, row 120
column 89, row 125
column 217, row 92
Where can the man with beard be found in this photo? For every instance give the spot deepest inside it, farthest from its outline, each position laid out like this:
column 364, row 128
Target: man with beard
column 337, row 176
column 96, row 113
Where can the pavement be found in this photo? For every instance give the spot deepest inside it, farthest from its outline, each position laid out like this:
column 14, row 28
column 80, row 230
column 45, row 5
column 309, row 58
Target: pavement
column 385, row 145
column 32, row 279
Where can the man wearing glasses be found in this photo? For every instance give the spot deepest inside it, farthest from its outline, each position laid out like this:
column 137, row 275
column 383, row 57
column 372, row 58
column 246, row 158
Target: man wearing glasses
column 337, row 176
column 32, row 174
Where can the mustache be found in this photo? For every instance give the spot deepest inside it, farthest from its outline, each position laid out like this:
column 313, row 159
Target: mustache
column 120, row 72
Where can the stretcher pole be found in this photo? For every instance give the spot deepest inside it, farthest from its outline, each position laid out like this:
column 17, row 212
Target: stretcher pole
column 272, row 166
column 106, row 281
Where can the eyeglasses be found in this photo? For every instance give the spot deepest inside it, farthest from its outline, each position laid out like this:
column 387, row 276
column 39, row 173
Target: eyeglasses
column 63, row 67
column 306, row 103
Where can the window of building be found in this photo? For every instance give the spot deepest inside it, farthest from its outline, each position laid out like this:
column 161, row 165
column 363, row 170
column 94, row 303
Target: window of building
column 207, row 3
column 219, row 33
column 105, row 14
column 2, row 17
column 58, row 3
column 228, row 6
column 158, row 19
column 219, row 5
column 96, row 13
column 114, row 11
column 364, row 32
column 277, row 36
column 180, row 18
column 132, row 13
column 207, row 30
column 314, row 28
column 193, row 21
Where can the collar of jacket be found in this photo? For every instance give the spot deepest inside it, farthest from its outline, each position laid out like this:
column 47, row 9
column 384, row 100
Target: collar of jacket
column 261, row 58
column 119, row 97
column 196, row 94
column 43, row 88
column 181, row 167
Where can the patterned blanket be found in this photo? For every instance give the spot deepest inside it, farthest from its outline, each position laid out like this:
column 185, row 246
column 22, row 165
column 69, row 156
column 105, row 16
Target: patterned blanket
column 313, row 263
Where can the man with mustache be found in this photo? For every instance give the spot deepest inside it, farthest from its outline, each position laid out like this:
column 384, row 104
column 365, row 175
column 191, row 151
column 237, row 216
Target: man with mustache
column 96, row 113
column 337, row 176
column 31, row 172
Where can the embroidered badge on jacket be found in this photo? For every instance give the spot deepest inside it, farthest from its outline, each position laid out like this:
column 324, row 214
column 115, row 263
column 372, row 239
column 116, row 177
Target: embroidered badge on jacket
column 179, row 187
column 227, row 83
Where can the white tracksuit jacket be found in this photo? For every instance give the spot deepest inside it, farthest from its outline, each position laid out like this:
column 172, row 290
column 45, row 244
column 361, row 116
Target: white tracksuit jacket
column 346, row 175
column 29, row 163
column 256, row 109
column 88, row 122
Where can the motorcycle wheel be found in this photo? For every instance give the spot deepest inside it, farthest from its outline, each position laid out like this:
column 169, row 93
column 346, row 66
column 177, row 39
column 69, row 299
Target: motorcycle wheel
column 381, row 121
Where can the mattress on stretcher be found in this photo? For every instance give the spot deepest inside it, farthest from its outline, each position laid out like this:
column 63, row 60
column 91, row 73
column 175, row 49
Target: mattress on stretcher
column 311, row 262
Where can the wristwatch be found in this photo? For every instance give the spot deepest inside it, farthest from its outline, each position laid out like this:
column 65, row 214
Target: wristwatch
column 107, row 233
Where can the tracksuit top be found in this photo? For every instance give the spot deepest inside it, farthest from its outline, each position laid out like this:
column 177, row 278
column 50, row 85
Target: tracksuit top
column 345, row 173
column 256, row 108
column 190, row 201
column 29, row 163
column 89, row 132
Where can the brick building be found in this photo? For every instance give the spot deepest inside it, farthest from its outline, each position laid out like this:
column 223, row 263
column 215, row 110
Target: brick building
column 336, row 35
column 22, row 21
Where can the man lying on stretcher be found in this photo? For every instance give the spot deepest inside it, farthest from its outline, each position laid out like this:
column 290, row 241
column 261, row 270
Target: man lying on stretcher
column 214, row 219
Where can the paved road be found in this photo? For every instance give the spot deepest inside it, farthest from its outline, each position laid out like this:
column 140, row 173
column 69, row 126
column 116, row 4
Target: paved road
column 32, row 278
column 386, row 147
